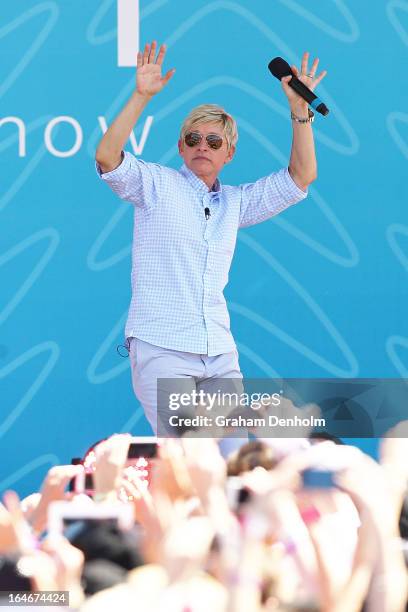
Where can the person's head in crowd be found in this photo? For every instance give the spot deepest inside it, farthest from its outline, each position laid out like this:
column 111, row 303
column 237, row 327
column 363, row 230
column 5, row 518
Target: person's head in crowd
column 104, row 540
column 324, row 436
column 11, row 579
column 249, row 456
column 101, row 574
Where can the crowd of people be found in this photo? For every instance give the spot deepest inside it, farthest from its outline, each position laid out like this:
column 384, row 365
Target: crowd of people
column 280, row 524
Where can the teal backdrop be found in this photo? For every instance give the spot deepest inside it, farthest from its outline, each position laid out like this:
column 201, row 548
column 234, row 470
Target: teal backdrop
column 319, row 291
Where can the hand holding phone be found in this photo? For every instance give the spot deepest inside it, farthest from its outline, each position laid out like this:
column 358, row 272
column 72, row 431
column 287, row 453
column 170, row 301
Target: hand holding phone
column 105, row 465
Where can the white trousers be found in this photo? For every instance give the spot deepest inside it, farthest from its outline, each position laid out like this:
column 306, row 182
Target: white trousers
column 200, row 372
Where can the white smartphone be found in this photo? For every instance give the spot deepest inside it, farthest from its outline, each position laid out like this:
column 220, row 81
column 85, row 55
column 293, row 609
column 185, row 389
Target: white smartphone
column 62, row 515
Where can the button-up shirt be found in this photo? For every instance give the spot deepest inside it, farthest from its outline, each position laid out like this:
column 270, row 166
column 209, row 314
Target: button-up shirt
column 180, row 258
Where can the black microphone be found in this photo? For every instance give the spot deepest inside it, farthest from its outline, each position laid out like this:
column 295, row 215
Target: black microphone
column 280, row 68
column 207, row 213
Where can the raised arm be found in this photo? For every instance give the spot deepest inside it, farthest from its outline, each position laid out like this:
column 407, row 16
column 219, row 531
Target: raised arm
column 149, row 81
column 302, row 165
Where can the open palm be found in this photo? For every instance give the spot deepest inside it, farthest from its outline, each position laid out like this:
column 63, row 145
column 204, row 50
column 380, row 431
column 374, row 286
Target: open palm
column 149, row 79
column 306, row 76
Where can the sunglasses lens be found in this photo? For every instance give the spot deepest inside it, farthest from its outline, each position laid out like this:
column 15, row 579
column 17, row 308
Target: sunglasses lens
column 214, row 141
column 192, row 139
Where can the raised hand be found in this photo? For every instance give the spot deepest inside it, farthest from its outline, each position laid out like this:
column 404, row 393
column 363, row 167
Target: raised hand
column 149, row 79
column 111, row 455
column 306, row 76
column 9, row 529
column 53, row 489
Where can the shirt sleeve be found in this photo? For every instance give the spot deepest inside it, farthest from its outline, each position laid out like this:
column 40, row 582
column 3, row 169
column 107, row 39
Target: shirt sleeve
column 268, row 197
column 133, row 180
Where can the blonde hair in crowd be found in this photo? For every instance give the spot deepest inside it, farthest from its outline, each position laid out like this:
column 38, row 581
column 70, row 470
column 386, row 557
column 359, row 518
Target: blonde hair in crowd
column 208, row 113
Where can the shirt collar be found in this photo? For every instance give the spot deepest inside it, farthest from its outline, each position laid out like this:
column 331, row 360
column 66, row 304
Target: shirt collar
column 197, row 183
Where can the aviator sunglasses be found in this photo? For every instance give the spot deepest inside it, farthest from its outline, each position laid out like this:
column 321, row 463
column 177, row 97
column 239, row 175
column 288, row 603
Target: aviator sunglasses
column 192, row 139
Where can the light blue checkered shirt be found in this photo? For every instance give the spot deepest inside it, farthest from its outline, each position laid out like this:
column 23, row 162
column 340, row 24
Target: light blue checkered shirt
column 180, row 260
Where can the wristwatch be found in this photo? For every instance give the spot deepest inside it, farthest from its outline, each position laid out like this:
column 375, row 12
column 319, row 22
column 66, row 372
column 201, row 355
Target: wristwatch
column 309, row 119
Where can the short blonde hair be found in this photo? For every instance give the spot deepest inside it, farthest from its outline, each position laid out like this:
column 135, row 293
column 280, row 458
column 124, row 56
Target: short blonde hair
column 208, row 113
